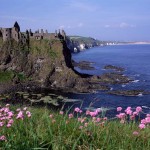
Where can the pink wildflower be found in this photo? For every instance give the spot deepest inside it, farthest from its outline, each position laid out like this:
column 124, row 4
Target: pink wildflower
column 80, row 127
column 1, row 124
column 7, row 105
column 135, row 133
column 148, row 115
column 121, row 115
column 87, row 112
column 11, row 121
column 18, row 109
column 8, row 125
column 10, row 114
column 98, row 119
column 119, row 108
column 135, row 113
column 51, row 115
column 132, row 117
column 143, row 121
column 122, row 121
column 70, row 116
column 25, row 108
column 105, row 118
column 2, row 138
column 85, row 124
column 138, row 109
column 147, row 119
column 20, row 115
column 142, row 126
column 77, row 109
column 28, row 113
column 61, row 112
column 93, row 114
column 79, row 119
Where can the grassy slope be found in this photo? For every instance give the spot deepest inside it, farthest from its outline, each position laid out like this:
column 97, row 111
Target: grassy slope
column 59, row 132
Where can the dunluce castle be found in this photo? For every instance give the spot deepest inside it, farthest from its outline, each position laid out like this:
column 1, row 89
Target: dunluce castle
column 15, row 33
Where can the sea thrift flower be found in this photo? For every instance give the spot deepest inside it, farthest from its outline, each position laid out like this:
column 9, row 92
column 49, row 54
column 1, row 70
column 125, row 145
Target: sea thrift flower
column 121, row 115
column 148, row 115
column 122, row 121
column 87, row 112
column 61, row 112
column 53, row 121
column 132, row 117
column 1, row 124
column 70, row 116
column 142, row 126
column 7, row 105
column 25, row 108
column 77, row 109
column 138, row 109
column 20, row 115
column 28, row 113
column 135, row 113
column 8, row 125
column 98, row 119
column 11, row 121
column 18, row 109
column 2, row 138
column 86, row 124
column 10, row 114
column 80, row 127
column 135, row 133
column 143, row 121
column 119, row 108
column 51, row 115
column 105, row 118
column 93, row 114
column 147, row 119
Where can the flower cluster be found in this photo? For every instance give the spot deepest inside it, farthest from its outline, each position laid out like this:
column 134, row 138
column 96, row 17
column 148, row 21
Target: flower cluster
column 129, row 113
column 7, row 117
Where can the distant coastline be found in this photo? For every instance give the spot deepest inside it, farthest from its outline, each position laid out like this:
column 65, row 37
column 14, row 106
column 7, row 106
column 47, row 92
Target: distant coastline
column 136, row 43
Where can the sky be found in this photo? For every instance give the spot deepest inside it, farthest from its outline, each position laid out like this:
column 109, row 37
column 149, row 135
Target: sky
column 119, row 20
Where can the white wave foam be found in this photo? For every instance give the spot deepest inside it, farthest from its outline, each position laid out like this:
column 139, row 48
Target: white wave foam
column 123, row 85
column 135, row 81
column 140, row 94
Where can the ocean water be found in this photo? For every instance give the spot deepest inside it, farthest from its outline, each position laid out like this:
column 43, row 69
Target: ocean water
column 136, row 61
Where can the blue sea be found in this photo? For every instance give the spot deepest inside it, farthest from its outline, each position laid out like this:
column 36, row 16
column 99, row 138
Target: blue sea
column 135, row 59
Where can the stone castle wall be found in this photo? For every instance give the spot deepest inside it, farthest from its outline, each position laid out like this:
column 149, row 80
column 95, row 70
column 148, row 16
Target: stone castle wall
column 14, row 33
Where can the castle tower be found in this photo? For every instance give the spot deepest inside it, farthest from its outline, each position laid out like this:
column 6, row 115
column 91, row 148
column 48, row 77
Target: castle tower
column 6, row 34
column 42, row 31
column 16, row 25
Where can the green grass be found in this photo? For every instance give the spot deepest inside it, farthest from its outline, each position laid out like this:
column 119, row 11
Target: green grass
column 6, row 76
column 61, row 133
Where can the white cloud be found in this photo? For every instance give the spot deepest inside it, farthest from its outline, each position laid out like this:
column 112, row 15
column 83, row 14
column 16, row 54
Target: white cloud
column 121, row 25
column 80, row 25
column 61, row 27
column 82, row 6
column 18, row 18
column 107, row 26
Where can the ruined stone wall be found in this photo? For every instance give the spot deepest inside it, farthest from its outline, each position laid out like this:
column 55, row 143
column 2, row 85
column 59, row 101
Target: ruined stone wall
column 6, row 34
column 15, row 34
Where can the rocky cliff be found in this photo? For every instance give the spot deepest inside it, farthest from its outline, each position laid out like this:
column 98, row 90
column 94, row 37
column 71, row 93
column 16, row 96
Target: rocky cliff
column 78, row 43
column 46, row 63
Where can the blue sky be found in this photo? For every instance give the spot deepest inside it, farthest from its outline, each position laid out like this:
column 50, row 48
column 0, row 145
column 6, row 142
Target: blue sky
column 125, row 20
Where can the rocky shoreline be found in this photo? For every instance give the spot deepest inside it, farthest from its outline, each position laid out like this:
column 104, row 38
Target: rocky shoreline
column 53, row 69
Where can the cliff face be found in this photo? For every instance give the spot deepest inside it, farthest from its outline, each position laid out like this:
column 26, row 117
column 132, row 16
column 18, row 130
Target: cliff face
column 78, row 43
column 47, row 63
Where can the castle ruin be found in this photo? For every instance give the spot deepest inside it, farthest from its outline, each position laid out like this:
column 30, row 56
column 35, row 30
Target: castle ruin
column 15, row 34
